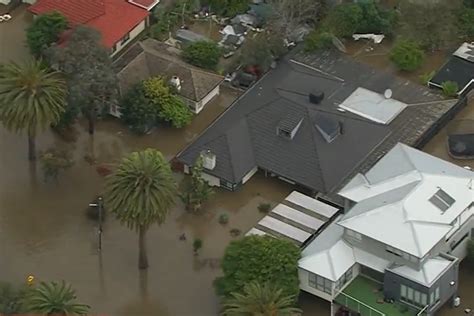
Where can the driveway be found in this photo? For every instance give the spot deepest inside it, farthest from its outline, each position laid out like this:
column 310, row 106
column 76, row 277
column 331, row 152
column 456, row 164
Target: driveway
column 12, row 36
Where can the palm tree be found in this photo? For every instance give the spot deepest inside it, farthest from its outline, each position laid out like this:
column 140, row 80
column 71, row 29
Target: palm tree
column 32, row 97
column 260, row 300
column 140, row 192
column 55, row 299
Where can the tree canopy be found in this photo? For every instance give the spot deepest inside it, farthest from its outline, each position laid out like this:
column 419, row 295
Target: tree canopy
column 91, row 79
column 44, row 31
column 261, row 50
column 204, row 54
column 228, row 8
column 407, row 55
column 261, row 259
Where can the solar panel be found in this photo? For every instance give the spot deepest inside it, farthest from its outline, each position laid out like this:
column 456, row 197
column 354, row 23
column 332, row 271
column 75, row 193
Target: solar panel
column 442, row 200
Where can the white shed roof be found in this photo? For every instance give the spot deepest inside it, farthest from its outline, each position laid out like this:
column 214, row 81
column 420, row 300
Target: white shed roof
column 284, row 229
column 373, row 106
column 311, row 204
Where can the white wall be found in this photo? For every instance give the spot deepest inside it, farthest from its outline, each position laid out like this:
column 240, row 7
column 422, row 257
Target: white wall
column 213, row 181
column 249, row 175
column 133, row 33
column 303, row 276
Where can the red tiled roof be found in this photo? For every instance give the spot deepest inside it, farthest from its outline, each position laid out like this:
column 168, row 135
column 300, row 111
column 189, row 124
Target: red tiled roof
column 112, row 18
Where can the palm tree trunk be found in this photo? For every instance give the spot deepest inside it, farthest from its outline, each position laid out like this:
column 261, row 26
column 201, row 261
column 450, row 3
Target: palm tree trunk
column 31, row 146
column 142, row 254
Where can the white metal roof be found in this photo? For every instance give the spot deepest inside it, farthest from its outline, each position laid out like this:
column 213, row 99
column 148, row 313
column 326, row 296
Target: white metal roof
column 430, row 271
column 372, row 106
column 393, row 202
column 298, row 217
column 311, row 204
column 369, row 260
column 465, row 51
column 284, row 229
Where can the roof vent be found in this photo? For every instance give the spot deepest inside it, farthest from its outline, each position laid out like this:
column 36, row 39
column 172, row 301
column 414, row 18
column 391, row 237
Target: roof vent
column 208, row 160
column 442, row 200
column 316, row 97
column 176, row 83
column 328, row 127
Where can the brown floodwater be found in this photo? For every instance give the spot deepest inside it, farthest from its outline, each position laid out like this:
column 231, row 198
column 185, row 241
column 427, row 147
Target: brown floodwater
column 44, row 230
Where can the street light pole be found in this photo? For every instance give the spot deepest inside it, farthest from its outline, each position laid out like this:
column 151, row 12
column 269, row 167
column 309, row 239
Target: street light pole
column 99, row 205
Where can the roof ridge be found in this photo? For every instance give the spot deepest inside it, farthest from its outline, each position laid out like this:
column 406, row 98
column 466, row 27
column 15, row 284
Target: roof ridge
column 316, row 151
column 415, row 237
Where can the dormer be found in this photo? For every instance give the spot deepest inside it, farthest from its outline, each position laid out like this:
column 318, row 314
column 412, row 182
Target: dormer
column 288, row 126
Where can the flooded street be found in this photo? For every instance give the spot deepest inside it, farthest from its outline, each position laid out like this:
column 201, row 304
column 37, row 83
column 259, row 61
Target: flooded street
column 44, row 230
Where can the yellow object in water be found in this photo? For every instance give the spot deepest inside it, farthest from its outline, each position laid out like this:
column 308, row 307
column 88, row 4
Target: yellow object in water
column 30, row 279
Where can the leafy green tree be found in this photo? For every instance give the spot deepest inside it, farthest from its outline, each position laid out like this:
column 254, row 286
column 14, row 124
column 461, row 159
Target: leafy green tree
column 407, row 55
column 260, row 299
column 44, row 31
column 317, row 40
column 450, row 88
column 261, row 259
column 430, row 23
column 204, row 54
column 175, row 111
column 12, row 299
column 141, row 192
column 344, row 20
column 138, row 112
column 466, row 23
column 32, row 98
column 261, row 50
column 198, row 190
column 91, row 79
column 55, row 299
column 228, row 8
column 376, row 20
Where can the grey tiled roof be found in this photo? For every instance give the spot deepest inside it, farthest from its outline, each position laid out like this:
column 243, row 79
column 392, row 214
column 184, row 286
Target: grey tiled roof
column 308, row 159
column 152, row 58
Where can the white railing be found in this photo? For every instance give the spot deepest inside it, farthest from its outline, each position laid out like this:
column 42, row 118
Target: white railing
column 371, row 310
column 423, row 310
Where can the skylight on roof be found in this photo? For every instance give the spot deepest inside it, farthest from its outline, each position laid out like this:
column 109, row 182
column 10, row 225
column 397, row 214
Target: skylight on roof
column 442, row 200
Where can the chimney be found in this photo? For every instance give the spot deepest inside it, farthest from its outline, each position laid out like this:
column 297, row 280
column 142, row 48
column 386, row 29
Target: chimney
column 208, row 160
column 176, row 83
column 316, row 97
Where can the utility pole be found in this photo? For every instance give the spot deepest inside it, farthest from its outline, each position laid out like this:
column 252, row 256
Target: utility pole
column 99, row 205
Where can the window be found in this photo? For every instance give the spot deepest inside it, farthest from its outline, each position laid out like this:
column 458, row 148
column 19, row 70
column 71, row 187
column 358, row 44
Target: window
column 354, row 234
column 442, row 200
column 454, row 244
column 437, row 294
column 403, row 291
column 318, row 282
column 125, row 39
column 346, row 277
column 412, row 296
column 434, row 296
column 424, row 299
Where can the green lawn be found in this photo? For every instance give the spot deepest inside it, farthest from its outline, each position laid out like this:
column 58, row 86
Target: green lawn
column 370, row 292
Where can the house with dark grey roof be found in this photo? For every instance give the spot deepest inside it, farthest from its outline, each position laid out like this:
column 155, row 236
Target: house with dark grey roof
column 314, row 121
column 151, row 58
column 459, row 68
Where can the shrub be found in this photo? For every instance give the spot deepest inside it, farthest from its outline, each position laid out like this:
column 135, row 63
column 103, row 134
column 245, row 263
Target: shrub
column 407, row 55
column 235, row 232
column 54, row 161
column 318, row 40
column 223, row 219
column 203, row 54
column 264, row 207
column 450, row 88
column 344, row 19
column 175, row 111
column 375, row 20
column 197, row 191
column 44, row 31
column 260, row 259
column 197, row 245
column 425, row 78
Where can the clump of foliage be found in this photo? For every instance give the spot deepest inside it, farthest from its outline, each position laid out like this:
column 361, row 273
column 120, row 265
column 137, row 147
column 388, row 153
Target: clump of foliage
column 264, row 207
column 223, row 219
column 261, row 299
column 197, row 245
column 261, row 50
column 450, row 88
column 44, row 31
column 228, row 8
column 55, row 299
column 376, row 20
column 344, row 20
column 466, row 23
column 204, row 54
column 317, row 40
column 151, row 101
column 12, row 300
column 197, row 190
column 425, row 78
column 53, row 161
column 407, row 55
column 235, row 232
column 259, row 259
column 163, row 22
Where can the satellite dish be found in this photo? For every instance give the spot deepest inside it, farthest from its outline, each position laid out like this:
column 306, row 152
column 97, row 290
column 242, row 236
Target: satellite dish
column 388, row 93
